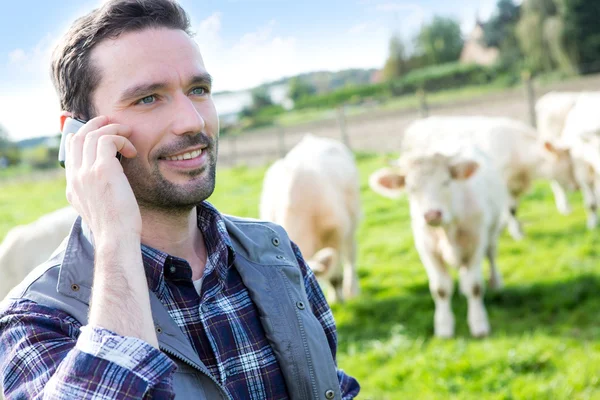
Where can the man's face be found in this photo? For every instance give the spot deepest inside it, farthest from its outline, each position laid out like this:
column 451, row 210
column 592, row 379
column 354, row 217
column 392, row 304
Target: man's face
column 155, row 82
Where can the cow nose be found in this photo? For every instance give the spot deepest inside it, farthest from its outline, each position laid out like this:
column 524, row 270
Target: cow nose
column 433, row 217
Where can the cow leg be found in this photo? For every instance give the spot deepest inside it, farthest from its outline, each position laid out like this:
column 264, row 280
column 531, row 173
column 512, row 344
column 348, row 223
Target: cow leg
column 514, row 226
column 584, row 178
column 441, row 288
column 495, row 281
column 351, row 286
column 560, row 198
column 472, row 286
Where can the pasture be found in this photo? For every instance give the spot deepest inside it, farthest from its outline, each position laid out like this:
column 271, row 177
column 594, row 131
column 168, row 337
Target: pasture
column 545, row 341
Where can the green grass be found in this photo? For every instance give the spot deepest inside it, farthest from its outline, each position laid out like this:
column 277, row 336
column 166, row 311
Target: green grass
column 545, row 341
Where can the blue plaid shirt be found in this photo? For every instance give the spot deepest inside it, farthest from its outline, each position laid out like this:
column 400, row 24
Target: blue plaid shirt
column 48, row 351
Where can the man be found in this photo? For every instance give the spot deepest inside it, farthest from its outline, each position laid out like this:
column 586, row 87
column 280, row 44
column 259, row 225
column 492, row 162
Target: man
column 212, row 306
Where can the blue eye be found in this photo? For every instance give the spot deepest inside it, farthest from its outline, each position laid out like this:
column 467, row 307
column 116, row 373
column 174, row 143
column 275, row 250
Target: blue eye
column 199, row 91
column 147, row 100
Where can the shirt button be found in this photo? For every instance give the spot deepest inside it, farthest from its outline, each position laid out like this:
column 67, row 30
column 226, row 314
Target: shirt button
column 329, row 394
column 172, row 269
column 275, row 241
column 279, row 257
column 300, row 305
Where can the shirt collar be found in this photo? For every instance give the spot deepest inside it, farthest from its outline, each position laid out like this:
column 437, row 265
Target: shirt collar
column 220, row 253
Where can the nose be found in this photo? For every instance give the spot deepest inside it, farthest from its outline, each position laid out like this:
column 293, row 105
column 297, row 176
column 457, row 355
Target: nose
column 187, row 117
column 433, row 217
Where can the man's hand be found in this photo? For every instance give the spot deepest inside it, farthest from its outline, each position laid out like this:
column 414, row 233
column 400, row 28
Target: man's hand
column 99, row 190
column 96, row 185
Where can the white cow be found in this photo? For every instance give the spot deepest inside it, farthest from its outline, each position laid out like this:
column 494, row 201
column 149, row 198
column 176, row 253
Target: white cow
column 27, row 246
column 553, row 110
column 456, row 207
column 581, row 134
column 513, row 146
column 314, row 193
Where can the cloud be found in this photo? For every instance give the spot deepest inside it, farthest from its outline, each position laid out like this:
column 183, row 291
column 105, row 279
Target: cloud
column 252, row 58
column 359, row 28
column 17, row 56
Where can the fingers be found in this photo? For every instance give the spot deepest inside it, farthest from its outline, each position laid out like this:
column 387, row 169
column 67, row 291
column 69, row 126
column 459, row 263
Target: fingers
column 109, row 145
column 82, row 148
column 91, row 150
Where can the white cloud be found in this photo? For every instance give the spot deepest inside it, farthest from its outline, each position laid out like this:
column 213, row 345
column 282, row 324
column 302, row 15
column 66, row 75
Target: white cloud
column 413, row 7
column 359, row 28
column 255, row 57
column 17, row 56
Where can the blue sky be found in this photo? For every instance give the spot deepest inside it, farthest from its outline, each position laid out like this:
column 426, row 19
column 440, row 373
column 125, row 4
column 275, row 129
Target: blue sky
column 244, row 43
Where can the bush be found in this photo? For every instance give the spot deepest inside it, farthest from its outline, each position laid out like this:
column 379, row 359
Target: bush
column 432, row 79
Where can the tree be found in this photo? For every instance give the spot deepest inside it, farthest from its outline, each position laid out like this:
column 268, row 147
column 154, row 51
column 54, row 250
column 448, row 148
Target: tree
column 396, row 64
column 541, row 32
column 581, row 33
column 299, row 88
column 500, row 27
column 261, row 98
column 8, row 150
column 440, row 41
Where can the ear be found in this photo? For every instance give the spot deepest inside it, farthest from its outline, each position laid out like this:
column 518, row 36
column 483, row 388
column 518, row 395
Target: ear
column 555, row 149
column 463, row 169
column 323, row 261
column 63, row 117
column 387, row 182
column 549, row 146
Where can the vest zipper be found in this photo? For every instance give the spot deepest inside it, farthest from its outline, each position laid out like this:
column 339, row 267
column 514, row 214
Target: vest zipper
column 198, row 367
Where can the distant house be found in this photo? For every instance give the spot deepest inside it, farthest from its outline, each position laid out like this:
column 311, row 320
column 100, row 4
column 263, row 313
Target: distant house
column 475, row 51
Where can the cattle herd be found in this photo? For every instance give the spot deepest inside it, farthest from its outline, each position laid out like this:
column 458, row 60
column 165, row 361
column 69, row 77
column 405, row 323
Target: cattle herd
column 463, row 177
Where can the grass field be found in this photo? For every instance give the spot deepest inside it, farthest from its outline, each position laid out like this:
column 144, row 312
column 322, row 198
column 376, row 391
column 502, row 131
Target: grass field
column 545, row 341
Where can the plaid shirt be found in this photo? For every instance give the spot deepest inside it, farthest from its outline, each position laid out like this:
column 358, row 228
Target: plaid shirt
column 48, row 350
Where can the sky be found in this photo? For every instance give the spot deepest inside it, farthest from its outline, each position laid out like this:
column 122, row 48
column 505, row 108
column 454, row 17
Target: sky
column 243, row 42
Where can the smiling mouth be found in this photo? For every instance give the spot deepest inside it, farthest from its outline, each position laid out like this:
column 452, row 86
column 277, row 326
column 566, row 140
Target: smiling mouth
column 185, row 156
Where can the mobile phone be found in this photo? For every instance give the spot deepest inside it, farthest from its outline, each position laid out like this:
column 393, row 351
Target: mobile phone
column 71, row 125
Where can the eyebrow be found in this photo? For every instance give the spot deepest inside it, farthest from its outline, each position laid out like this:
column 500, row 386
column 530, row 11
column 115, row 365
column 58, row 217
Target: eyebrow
column 149, row 88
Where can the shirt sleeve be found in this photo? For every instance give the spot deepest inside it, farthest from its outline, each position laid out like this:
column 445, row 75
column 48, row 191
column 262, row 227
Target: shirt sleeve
column 348, row 385
column 46, row 353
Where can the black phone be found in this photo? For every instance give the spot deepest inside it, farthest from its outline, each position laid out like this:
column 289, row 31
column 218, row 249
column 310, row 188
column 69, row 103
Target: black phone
column 72, row 125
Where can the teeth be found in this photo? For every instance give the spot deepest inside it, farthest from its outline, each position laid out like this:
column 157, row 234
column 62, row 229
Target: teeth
column 185, row 156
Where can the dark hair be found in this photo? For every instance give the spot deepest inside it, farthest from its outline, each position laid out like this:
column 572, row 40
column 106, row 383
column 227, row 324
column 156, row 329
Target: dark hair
column 74, row 76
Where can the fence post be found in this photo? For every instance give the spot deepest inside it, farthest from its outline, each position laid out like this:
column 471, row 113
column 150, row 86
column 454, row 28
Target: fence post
column 281, row 141
column 233, row 151
column 342, row 123
column 423, row 107
column 530, row 97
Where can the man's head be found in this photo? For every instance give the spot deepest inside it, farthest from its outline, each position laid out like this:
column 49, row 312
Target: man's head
column 135, row 62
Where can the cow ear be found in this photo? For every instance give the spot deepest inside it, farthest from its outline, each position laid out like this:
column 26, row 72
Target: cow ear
column 463, row 169
column 323, row 261
column 554, row 149
column 387, row 182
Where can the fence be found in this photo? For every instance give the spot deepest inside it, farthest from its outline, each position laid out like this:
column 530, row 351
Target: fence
column 375, row 128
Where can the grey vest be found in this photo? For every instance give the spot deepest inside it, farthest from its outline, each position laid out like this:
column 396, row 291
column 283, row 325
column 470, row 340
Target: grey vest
column 268, row 267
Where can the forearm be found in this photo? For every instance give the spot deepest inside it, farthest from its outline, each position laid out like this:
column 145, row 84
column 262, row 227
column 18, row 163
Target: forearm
column 120, row 299
column 47, row 354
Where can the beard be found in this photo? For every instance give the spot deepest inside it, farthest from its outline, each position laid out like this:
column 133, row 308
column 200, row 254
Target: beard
column 154, row 191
